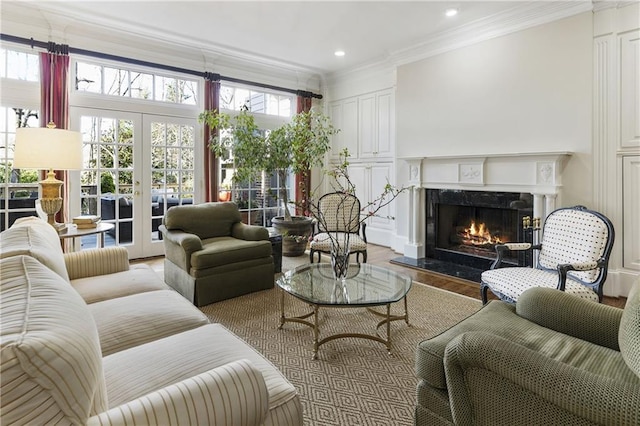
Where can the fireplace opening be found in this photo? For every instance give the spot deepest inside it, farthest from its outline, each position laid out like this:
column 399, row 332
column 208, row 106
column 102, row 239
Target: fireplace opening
column 463, row 227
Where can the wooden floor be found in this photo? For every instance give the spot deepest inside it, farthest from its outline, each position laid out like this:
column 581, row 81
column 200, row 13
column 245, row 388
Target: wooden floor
column 381, row 256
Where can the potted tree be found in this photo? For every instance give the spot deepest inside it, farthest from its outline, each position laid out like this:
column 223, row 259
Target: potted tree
column 297, row 147
column 294, row 147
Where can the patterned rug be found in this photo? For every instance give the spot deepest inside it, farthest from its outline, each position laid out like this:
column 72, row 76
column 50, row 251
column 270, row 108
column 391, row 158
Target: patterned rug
column 353, row 381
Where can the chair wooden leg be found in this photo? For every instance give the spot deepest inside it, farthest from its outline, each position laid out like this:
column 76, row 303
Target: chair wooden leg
column 483, row 293
column 311, row 255
column 364, row 257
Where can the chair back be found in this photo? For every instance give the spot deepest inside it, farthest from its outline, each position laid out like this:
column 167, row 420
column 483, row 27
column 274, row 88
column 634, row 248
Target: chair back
column 577, row 235
column 205, row 220
column 339, row 212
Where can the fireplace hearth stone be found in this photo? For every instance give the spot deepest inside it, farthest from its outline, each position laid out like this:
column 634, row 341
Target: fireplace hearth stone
column 442, row 267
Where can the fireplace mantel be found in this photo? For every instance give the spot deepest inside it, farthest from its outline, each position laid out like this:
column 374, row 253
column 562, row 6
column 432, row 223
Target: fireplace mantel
column 537, row 173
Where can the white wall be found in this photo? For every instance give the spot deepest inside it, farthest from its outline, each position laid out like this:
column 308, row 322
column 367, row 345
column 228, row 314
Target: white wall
column 529, row 91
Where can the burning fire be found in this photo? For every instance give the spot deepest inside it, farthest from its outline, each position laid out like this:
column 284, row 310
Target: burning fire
column 479, row 235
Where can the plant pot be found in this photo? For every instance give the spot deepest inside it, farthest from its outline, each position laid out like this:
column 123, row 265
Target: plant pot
column 295, row 234
column 224, row 195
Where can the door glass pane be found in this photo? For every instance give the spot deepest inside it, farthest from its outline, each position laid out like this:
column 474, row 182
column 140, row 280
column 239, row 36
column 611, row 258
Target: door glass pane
column 107, row 178
column 172, row 169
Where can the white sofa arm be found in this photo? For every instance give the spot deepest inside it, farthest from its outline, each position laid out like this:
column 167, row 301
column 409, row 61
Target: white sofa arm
column 91, row 263
column 232, row 394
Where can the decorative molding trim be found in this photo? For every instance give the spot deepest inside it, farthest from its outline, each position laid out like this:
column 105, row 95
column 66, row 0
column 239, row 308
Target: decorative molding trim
column 522, row 16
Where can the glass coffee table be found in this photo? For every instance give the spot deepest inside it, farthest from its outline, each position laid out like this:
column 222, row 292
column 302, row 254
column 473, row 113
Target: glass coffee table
column 365, row 286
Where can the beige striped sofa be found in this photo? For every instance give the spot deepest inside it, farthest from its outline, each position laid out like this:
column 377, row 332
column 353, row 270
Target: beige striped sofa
column 87, row 338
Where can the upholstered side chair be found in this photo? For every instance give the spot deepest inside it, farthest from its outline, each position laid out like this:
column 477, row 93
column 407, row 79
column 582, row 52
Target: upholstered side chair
column 339, row 215
column 210, row 255
column 573, row 256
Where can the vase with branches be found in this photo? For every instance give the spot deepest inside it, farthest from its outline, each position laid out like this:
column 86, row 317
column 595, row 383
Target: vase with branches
column 348, row 212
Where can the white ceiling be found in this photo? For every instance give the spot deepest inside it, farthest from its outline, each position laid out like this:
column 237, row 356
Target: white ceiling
column 302, row 34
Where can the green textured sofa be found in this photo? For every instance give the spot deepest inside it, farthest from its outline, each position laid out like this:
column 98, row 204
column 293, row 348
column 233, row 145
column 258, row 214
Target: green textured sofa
column 552, row 359
column 210, row 255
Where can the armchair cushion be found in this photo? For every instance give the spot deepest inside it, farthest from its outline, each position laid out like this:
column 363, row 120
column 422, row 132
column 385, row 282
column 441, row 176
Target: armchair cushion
column 225, row 250
column 510, row 283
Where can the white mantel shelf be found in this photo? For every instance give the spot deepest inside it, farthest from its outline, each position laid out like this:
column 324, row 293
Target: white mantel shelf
column 533, row 172
column 537, row 173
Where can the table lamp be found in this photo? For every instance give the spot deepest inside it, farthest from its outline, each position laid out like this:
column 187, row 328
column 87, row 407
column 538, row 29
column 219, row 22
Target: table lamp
column 48, row 148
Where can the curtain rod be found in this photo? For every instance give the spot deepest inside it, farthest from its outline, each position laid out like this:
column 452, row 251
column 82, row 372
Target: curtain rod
column 47, row 45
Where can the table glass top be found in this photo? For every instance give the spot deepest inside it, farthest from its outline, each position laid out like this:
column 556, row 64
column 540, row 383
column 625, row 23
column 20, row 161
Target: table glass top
column 366, row 285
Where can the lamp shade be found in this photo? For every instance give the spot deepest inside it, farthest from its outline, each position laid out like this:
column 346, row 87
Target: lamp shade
column 47, row 149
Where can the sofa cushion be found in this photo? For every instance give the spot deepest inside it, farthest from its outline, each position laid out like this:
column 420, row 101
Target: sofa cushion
column 36, row 238
column 227, row 250
column 206, row 220
column 138, row 279
column 130, row 321
column 499, row 318
column 51, row 361
column 142, row 369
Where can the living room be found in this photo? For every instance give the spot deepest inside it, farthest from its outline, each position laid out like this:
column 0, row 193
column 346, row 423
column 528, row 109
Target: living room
column 539, row 99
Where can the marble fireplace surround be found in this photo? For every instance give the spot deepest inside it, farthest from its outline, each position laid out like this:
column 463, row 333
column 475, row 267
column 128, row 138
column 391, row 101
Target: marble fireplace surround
column 537, row 173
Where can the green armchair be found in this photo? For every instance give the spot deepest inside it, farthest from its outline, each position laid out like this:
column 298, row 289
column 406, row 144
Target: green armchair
column 210, row 255
column 552, row 359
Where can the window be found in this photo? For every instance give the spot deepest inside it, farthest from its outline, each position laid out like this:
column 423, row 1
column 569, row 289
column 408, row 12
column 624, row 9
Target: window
column 18, row 187
column 19, row 65
column 258, row 200
column 236, row 98
column 106, row 80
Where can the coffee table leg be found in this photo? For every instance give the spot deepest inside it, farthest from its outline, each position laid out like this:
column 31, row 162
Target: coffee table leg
column 389, row 328
column 281, row 309
column 316, row 332
column 406, row 312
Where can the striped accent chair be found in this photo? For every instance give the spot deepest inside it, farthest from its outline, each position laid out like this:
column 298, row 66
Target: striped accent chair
column 338, row 216
column 573, row 256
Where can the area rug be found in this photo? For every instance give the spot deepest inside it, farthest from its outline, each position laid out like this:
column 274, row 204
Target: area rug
column 353, row 381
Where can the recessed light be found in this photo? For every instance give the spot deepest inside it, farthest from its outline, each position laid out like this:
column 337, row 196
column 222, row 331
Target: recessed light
column 339, row 53
column 451, row 12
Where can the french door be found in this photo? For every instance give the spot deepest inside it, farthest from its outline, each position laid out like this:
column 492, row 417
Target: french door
column 136, row 166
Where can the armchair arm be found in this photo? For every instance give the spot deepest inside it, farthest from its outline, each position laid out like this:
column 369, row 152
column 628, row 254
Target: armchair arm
column 571, row 315
column 189, row 242
column 233, row 394
column 249, row 232
column 578, row 266
column 501, row 249
column 492, row 380
column 94, row 262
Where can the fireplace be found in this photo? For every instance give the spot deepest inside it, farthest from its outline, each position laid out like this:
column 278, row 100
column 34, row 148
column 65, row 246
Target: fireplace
column 496, row 190
column 463, row 227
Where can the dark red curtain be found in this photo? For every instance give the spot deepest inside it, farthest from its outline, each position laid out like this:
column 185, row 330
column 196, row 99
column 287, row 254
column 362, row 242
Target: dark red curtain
column 54, row 103
column 211, row 102
column 303, row 179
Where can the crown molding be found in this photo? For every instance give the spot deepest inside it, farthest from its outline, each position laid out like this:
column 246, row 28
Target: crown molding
column 63, row 26
column 520, row 17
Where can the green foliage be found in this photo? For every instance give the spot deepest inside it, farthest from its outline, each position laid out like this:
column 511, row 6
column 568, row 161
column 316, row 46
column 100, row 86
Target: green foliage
column 295, row 146
column 28, row 176
column 106, row 183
